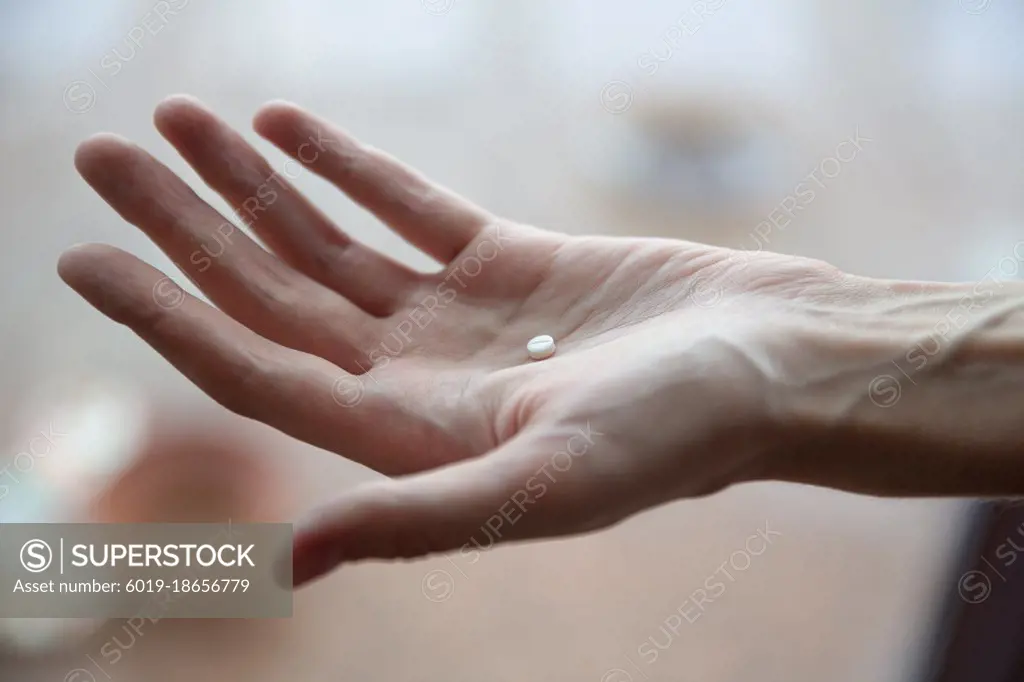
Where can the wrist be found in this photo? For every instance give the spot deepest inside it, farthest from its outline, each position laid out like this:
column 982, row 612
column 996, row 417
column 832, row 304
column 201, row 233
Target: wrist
column 915, row 389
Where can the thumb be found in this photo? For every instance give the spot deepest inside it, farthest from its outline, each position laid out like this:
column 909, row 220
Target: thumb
column 402, row 518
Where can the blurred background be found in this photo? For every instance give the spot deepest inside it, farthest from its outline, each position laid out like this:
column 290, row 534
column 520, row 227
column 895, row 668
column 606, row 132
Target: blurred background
column 883, row 136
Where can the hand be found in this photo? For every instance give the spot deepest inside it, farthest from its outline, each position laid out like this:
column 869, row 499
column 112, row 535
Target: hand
column 659, row 388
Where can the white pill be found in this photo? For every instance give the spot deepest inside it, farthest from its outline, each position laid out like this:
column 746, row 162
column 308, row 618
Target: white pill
column 541, row 347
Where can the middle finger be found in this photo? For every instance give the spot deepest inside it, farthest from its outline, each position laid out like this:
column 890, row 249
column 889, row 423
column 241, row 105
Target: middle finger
column 238, row 275
column 284, row 219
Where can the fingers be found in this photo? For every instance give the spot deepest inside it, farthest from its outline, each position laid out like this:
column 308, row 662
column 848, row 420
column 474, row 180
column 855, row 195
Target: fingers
column 286, row 221
column 414, row 516
column 238, row 275
column 430, row 217
column 256, row 378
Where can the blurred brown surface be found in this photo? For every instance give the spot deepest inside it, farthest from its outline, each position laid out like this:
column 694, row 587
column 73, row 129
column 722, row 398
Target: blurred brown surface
column 507, row 103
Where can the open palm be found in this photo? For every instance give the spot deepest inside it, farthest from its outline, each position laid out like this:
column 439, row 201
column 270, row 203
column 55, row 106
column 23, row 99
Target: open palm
column 407, row 372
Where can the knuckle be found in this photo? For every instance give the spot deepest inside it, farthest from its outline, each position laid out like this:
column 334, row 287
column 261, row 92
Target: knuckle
column 243, row 388
column 408, row 531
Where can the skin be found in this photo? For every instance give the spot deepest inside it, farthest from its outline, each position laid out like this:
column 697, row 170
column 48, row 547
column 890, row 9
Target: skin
column 681, row 368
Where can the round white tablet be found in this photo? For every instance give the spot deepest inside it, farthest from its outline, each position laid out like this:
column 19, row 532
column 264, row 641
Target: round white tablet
column 541, row 347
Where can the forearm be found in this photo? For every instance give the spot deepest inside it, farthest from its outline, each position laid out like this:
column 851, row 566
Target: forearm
column 925, row 395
